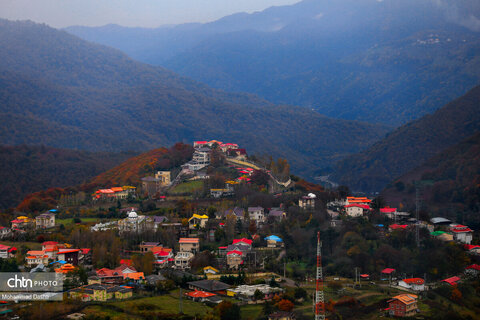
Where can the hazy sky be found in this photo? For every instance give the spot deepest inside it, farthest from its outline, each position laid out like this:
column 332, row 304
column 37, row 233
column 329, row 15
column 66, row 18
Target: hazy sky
column 144, row 13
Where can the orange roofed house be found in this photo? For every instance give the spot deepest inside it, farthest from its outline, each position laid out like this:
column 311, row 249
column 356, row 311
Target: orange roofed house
column 358, row 200
column 189, row 245
column 403, row 305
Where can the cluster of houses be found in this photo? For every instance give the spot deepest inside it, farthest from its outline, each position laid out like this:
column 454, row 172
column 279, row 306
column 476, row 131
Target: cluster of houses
column 256, row 214
column 214, row 291
column 203, row 151
column 58, row 255
column 448, row 231
column 22, row 224
column 440, row 228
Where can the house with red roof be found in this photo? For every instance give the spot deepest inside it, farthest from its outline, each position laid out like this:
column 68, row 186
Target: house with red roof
column 228, row 146
column 243, row 240
column 114, row 276
column 357, row 210
column 71, row 256
column 395, row 226
column 472, row 249
column 453, row 281
column 235, row 259
column 198, row 295
column 4, row 251
column 462, row 233
column 415, row 284
column 473, row 269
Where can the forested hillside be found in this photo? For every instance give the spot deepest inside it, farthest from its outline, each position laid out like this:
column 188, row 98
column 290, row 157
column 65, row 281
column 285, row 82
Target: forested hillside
column 26, row 169
column 131, row 171
column 449, row 183
column 61, row 91
column 386, row 61
column 410, row 145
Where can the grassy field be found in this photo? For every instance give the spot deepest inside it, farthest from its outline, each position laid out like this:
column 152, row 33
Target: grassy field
column 187, row 187
column 69, row 221
column 251, row 311
column 19, row 244
column 164, row 304
column 102, row 312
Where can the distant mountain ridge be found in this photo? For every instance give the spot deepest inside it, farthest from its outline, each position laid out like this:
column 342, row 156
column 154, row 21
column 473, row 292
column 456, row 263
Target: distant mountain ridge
column 411, row 145
column 62, row 91
column 388, row 61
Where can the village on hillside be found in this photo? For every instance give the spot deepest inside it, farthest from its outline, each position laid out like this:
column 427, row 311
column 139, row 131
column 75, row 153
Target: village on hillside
column 226, row 235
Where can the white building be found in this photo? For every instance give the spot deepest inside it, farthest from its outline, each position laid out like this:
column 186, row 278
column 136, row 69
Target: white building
column 416, row 284
column 201, row 159
column 461, row 233
column 133, row 223
column 356, row 210
column 182, row 260
column 307, row 202
column 256, row 214
column 5, row 232
column 45, row 220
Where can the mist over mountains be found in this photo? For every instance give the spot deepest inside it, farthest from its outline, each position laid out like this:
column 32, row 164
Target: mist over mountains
column 385, row 61
column 61, row 91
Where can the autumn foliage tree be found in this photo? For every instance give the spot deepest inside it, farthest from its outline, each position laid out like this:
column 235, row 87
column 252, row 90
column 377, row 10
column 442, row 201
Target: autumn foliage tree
column 228, row 311
column 285, row 305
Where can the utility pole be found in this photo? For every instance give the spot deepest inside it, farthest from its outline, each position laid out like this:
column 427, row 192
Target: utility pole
column 417, row 214
column 319, row 297
column 180, row 304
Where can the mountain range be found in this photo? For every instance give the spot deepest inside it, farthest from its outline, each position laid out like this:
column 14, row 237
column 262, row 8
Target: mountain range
column 387, row 61
column 410, row 145
column 61, row 91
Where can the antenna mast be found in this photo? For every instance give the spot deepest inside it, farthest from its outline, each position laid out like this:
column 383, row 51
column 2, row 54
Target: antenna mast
column 319, row 298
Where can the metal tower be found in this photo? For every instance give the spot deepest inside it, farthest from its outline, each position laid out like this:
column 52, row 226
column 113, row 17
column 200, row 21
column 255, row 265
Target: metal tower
column 319, row 298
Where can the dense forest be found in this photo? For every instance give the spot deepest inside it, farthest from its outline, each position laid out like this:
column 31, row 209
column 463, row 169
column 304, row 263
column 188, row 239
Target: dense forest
column 26, row 169
column 61, row 91
column 449, row 184
column 410, row 145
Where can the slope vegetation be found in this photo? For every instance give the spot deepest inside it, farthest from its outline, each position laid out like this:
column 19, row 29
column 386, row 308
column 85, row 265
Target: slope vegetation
column 449, row 180
column 26, row 169
column 410, row 145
